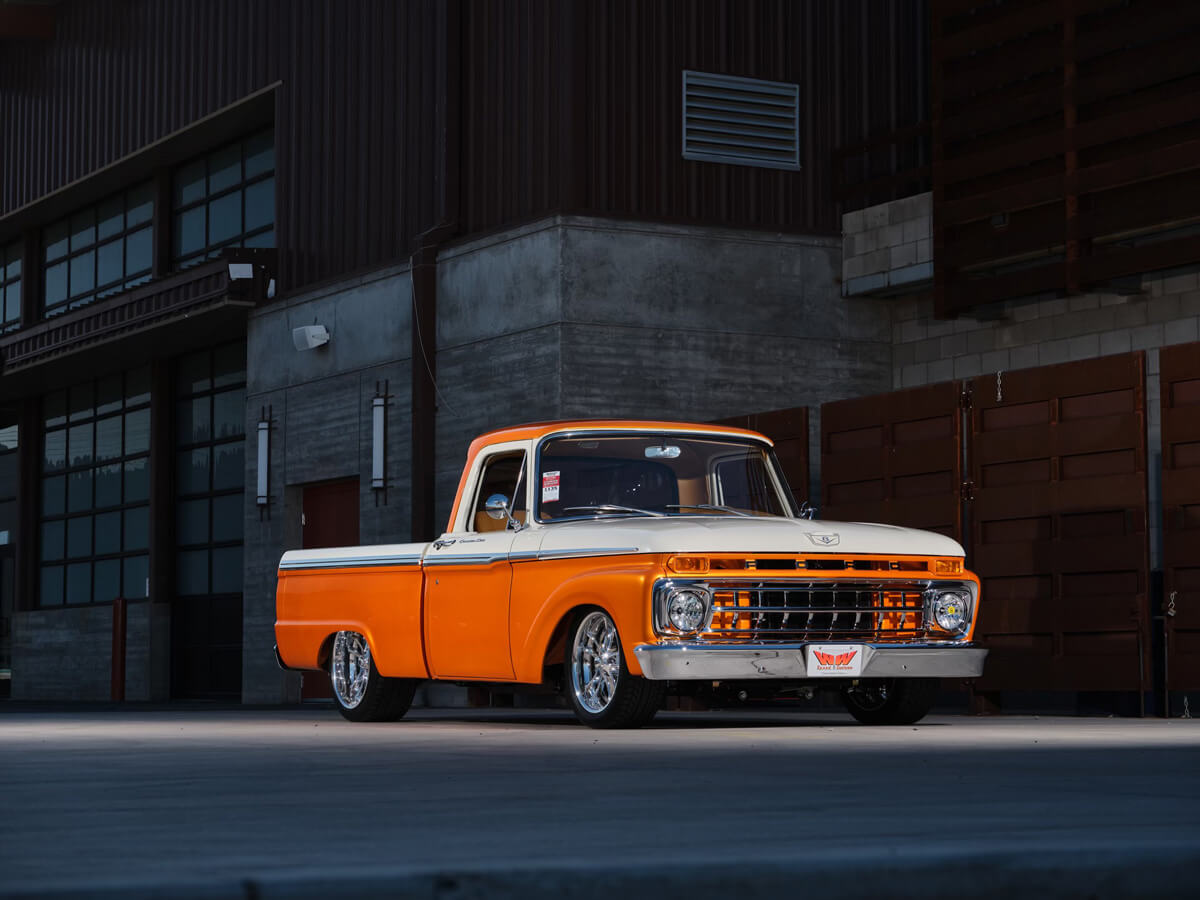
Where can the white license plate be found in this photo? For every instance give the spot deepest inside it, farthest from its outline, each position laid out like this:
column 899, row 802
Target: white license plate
column 834, row 660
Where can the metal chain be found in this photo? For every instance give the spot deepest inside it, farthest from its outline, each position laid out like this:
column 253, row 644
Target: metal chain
column 1187, row 713
column 1171, row 603
column 1000, row 386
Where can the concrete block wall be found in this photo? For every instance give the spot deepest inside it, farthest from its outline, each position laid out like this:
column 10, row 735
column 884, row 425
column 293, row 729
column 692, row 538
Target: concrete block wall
column 320, row 407
column 888, row 248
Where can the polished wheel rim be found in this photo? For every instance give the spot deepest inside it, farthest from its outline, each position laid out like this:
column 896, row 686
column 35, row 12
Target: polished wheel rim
column 351, row 668
column 595, row 662
column 869, row 697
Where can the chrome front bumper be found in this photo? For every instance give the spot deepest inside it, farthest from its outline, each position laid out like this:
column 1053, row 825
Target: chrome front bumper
column 743, row 662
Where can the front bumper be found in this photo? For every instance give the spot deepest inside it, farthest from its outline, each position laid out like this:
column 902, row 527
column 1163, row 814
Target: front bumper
column 745, row 662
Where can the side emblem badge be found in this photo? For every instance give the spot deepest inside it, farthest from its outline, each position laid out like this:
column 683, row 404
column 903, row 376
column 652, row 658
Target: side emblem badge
column 824, row 540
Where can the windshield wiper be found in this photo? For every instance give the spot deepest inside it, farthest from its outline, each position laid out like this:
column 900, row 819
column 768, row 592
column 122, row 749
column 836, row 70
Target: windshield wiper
column 612, row 508
column 724, row 509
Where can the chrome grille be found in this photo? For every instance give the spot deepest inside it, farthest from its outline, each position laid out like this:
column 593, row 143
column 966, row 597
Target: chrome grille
column 878, row 612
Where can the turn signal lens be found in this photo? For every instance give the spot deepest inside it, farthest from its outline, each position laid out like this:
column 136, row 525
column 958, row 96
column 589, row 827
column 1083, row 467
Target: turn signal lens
column 688, row 565
column 947, row 567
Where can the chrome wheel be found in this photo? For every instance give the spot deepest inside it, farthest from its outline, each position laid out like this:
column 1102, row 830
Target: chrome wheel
column 350, row 668
column 595, row 662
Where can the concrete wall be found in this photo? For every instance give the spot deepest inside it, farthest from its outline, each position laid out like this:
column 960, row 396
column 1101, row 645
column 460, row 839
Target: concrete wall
column 66, row 654
column 320, row 407
column 582, row 317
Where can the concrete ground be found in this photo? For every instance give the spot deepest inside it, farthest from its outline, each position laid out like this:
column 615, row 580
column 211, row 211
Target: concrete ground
column 512, row 803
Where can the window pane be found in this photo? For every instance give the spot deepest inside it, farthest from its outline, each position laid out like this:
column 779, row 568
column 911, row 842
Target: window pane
column 111, row 218
column 139, row 204
column 79, row 537
column 227, row 518
column 79, row 583
column 189, row 232
column 224, row 168
column 79, row 446
column 77, row 302
column 55, row 408
column 83, row 229
column 191, row 572
column 139, row 251
column 108, row 533
column 108, row 486
column 137, row 568
column 54, row 496
column 137, row 480
column 192, row 522
column 108, row 395
column 55, row 456
column 260, row 204
column 265, row 239
column 12, row 302
column 137, row 431
column 108, row 438
column 229, row 467
column 82, row 402
column 83, row 273
column 137, row 386
column 13, row 262
column 53, row 540
column 189, row 184
column 8, row 522
column 193, row 374
column 106, row 581
column 55, row 239
column 193, row 471
column 229, row 365
column 109, row 264
column 225, row 218
column 79, row 491
column 229, row 414
column 52, row 586
column 227, row 570
column 137, row 528
column 260, row 154
column 193, row 417
column 56, row 284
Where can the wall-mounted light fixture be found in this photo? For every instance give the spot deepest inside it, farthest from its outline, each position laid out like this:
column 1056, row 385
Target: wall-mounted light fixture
column 310, row 337
column 379, row 404
column 263, row 498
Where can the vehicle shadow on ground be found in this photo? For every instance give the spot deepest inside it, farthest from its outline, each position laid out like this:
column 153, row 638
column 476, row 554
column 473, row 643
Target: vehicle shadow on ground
column 664, row 721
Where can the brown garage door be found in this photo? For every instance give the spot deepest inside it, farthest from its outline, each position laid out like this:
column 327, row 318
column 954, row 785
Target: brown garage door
column 788, row 428
column 895, row 458
column 1179, row 373
column 1058, row 519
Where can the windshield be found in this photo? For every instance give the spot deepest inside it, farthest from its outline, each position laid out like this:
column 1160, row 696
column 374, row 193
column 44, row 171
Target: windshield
column 658, row 475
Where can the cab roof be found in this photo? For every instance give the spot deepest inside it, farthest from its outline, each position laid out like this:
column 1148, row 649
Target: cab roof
column 537, row 430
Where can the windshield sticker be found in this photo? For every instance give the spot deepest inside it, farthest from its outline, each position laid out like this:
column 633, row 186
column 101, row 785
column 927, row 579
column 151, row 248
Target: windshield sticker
column 549, row 487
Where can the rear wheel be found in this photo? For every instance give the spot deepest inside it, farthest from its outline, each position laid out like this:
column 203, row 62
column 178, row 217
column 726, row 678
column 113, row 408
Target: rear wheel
column 360, row 692
column 891, row 701
column 600, row 687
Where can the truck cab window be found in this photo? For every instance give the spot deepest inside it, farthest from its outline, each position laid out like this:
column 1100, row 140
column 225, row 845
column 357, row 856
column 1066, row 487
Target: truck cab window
column 502, row 474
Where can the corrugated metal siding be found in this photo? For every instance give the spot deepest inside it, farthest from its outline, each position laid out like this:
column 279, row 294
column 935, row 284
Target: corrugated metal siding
column 356, row 99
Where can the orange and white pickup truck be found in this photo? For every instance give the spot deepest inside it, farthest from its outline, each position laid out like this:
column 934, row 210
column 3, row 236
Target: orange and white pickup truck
column 614, row 559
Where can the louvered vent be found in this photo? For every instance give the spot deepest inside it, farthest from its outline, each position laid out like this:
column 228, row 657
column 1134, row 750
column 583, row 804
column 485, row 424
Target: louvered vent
column 741, row 120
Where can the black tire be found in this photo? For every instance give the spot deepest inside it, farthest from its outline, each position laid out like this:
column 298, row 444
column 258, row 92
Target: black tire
column 631, row 704
column 891, row 701
column 383, row 699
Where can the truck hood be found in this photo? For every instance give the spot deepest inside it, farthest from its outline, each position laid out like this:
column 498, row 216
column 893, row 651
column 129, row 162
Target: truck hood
column 720, row 534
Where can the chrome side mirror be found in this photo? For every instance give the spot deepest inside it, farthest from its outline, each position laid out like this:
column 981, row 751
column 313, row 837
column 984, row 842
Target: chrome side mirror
column 496, row 506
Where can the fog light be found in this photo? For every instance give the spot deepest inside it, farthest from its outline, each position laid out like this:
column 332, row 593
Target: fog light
column 950, row 612
column 686, row 611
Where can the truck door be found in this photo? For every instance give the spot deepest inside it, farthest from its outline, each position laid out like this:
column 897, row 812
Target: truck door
column 468, row 578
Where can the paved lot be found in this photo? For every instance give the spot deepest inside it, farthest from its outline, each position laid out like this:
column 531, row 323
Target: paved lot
column 206, row 800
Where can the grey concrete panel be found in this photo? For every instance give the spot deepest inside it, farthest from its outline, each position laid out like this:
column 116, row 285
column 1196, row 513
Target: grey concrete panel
column 385, row 516
column 323, row 429
column 63, row 654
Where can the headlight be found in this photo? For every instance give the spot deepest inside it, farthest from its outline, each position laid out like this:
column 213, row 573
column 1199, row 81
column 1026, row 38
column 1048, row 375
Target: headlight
column 686, row 611
column 951, row 611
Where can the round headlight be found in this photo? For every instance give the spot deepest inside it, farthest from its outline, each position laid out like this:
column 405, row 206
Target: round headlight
column 950, row 612
column 686, row 611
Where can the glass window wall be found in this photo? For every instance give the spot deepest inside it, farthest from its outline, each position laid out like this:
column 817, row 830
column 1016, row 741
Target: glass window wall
column 10, row 287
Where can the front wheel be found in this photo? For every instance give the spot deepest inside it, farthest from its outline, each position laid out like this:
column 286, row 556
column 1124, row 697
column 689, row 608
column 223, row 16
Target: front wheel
column 602, row 691
column 891, row 701
column 360, row 692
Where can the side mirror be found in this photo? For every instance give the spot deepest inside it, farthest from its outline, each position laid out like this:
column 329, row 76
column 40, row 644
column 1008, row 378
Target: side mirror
column 496, row 506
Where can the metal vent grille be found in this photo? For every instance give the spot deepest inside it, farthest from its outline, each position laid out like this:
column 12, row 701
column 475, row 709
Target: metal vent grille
column 741, row 120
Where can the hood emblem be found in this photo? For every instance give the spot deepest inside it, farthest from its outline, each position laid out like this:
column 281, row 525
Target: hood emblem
column 827, row 539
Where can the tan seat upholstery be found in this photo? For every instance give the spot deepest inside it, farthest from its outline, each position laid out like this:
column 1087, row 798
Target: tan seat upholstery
column 484, row 522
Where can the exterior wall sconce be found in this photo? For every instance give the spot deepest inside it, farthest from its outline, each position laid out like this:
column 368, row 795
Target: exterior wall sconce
column 263, row 499
column 379, row 404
